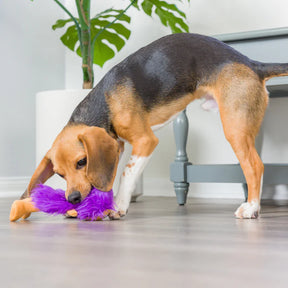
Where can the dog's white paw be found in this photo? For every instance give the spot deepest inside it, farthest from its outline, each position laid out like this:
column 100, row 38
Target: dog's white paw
column 122, row 204
column 248, row 210
column 116, row 215
column 121, row 211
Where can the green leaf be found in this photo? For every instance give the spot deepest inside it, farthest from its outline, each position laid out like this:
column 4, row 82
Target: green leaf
column 61, row 23
column 103, row 12
column 169, row 19
column 115, row 13
column 122, row 18
column 112, row 38
column 121, row 29
column 147, row 7
column 171, row 7
column 70, row 38
column 169, row 14
column 118, row 27
column 135, row 4
column 102, row 53
column 114, row 32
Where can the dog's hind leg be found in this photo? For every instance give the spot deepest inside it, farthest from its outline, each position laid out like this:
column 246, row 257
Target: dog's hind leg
column 253, row 168
column 242, row 107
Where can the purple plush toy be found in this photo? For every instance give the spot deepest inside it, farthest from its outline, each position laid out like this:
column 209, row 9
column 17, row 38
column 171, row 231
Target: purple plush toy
column 92, row 208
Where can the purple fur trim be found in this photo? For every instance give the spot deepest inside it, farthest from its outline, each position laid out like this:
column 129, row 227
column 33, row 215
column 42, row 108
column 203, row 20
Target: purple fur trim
column 49, row 200
column 95, row 204
column 53, row 201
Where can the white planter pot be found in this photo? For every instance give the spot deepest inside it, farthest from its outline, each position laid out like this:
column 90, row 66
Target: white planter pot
column 53, row 111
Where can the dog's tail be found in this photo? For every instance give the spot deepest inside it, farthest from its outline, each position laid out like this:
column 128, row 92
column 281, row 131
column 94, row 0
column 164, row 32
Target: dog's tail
column 270, row 70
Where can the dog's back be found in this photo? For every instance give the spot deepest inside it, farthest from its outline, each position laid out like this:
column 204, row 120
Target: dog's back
column 166, row 70
column 174, row 66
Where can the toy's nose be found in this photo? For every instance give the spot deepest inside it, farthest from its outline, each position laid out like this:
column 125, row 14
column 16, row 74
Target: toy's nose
column 74, row 197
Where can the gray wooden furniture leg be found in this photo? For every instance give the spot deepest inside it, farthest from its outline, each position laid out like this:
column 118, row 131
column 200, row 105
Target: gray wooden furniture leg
column 179, row 166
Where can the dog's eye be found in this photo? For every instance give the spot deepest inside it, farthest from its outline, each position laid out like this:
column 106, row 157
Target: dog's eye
column 81, row 163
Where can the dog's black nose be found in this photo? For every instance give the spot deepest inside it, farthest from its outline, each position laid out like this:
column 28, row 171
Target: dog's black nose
column 74, row 197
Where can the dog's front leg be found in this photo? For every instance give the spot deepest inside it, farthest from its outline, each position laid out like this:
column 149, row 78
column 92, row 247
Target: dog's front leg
column 141, row 153
column 129, row 178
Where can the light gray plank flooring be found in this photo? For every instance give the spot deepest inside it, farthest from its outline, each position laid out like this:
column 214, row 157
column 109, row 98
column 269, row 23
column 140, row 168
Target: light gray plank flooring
column 158, row 244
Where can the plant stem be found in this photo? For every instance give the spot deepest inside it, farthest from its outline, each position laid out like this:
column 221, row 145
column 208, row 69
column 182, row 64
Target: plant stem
column 73, row 18
column 83, row 7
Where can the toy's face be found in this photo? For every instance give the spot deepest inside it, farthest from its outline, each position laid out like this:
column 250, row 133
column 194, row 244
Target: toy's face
column 85, row 157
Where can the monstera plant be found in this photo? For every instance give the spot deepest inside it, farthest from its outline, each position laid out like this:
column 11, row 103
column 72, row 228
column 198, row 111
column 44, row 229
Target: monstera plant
column 96, row 39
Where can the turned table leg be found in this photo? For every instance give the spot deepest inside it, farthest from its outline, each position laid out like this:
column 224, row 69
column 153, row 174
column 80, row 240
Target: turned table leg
column 180, row 126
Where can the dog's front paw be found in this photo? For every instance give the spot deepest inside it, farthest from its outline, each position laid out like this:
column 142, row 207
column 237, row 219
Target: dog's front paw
column 248, row 210
column 71, row 214
column 116, row 215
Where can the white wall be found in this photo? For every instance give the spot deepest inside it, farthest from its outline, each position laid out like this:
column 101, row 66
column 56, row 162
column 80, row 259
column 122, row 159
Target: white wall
column 32, row 59
column 214, row 17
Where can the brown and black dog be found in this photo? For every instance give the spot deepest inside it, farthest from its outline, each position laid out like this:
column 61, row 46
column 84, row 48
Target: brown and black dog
column 144, row 92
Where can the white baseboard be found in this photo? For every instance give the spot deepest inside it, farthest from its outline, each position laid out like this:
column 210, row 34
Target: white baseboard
column 13, row 186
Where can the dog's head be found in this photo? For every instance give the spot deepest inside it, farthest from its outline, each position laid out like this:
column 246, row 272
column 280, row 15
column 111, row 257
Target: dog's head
column 85, row 157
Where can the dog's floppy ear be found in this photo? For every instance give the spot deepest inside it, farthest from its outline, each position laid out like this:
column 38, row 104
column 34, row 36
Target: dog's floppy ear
column 102, row 157
column 42, row 173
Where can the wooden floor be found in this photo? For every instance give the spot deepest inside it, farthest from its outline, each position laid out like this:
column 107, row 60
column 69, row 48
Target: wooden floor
column 159, row 244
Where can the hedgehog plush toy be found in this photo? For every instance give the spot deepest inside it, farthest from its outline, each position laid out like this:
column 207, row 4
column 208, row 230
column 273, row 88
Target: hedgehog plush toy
column 94, row 207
